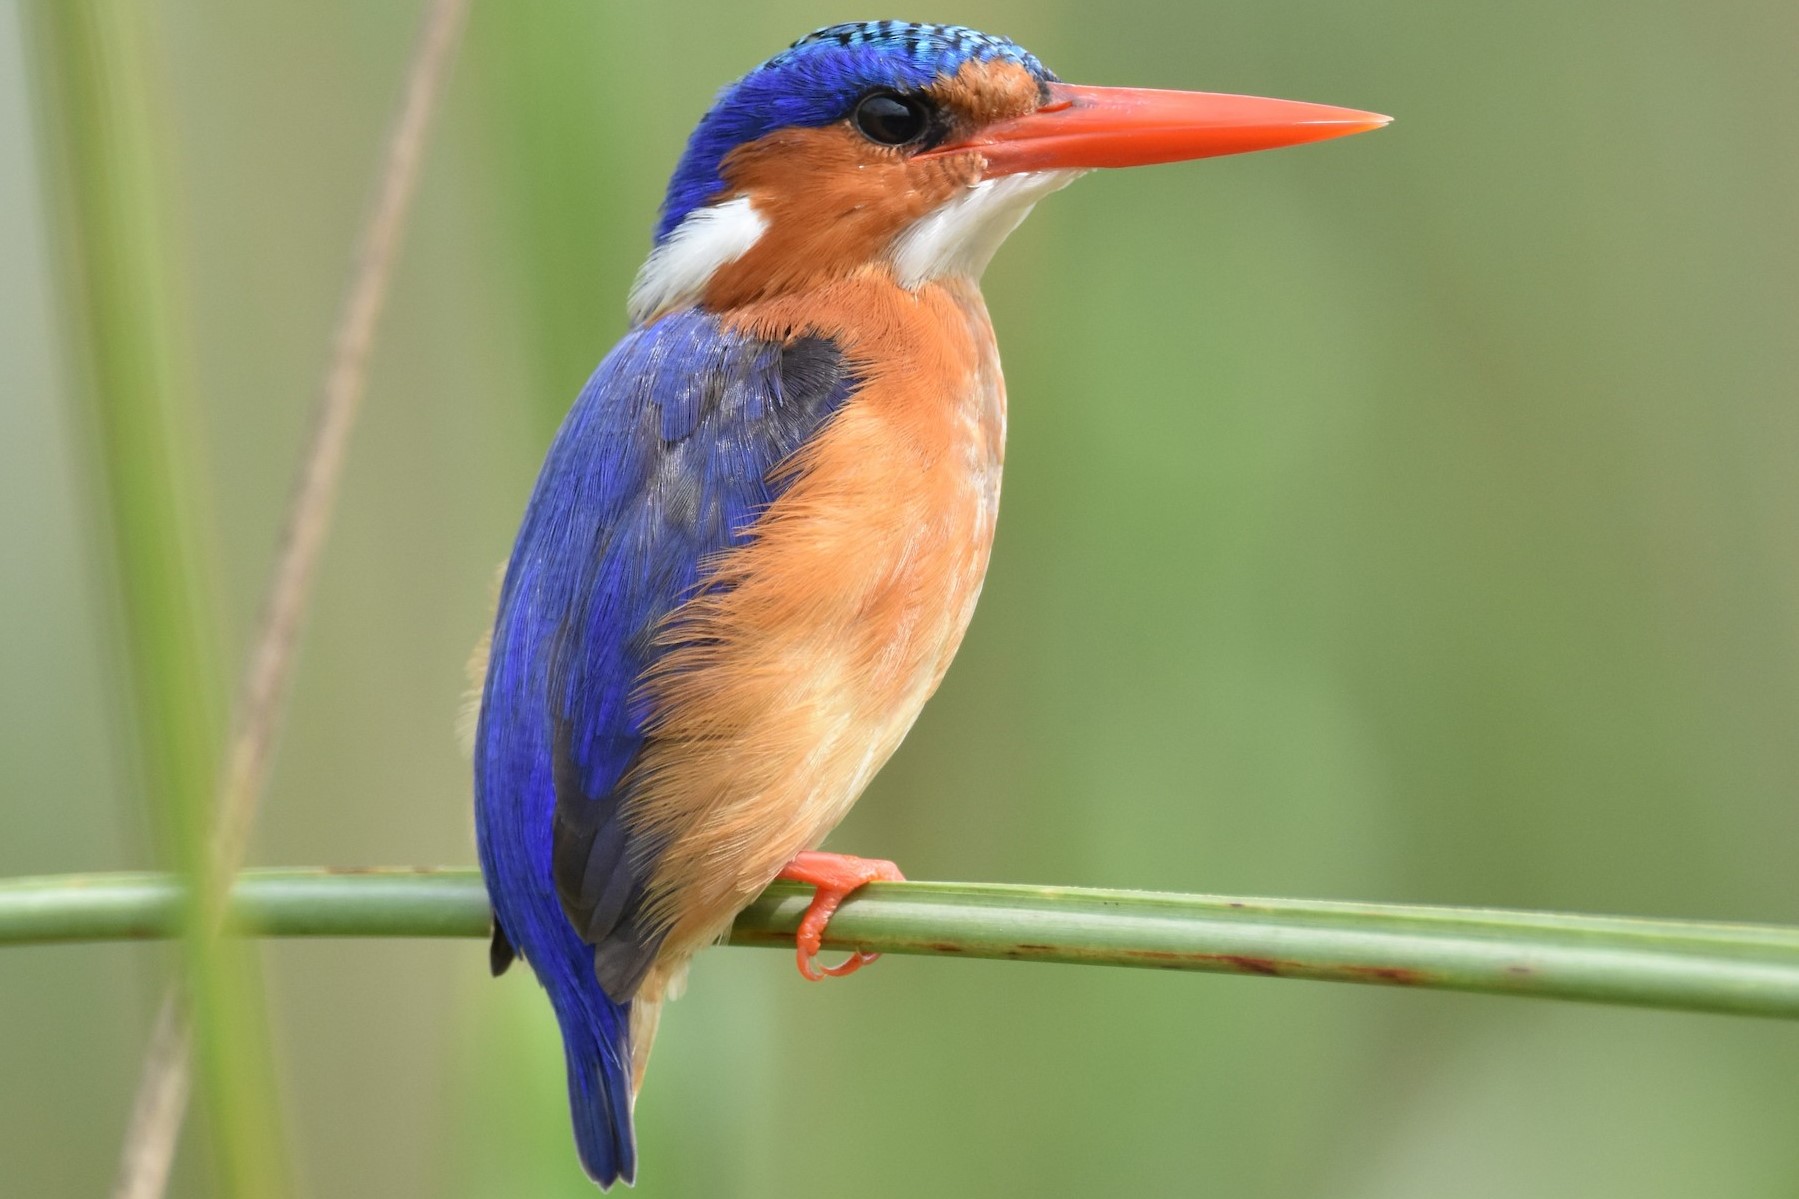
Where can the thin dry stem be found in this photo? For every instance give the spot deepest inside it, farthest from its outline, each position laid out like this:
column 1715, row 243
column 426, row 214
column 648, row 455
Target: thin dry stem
column 160, row 1106
column 270, row 669
column 161, row 1103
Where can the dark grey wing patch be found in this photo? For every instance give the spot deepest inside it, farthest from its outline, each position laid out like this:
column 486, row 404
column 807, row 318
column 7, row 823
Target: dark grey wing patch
column 595, row 875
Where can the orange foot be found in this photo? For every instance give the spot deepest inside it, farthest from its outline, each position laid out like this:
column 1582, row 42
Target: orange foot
column 835, row 875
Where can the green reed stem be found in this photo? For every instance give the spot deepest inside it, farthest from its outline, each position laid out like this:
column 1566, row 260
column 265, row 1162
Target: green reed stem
column 100, row 91
column 1744, row 969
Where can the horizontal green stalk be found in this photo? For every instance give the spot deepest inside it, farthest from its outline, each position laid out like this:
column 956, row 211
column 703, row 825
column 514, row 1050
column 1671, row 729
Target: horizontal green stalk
column 1738, row 968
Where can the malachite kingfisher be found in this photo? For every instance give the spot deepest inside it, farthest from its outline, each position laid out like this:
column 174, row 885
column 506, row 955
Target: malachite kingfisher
column 761, row 531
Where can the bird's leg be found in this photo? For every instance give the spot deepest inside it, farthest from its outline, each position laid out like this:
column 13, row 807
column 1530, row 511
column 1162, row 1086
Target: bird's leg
column 834, row 875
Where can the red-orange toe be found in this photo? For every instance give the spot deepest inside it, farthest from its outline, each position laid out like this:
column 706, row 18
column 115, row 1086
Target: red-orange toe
column 835, row 875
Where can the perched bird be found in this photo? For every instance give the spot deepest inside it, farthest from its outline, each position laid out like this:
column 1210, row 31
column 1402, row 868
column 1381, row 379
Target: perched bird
column 760, row 533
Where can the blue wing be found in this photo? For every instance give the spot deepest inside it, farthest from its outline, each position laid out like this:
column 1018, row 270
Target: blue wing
column 664, row 460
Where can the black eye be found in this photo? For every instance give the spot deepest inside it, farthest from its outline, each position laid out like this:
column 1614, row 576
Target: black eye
column 890, row 119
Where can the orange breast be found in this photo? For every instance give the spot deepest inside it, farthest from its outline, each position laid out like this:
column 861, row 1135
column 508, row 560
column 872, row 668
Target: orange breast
column 791, row 681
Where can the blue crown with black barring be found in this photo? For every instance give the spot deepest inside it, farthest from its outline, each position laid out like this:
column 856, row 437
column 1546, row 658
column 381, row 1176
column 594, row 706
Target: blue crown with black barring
column 817, row 81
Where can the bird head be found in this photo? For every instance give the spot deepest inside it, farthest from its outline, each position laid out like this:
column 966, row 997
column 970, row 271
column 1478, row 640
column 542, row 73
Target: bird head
column 913, row 149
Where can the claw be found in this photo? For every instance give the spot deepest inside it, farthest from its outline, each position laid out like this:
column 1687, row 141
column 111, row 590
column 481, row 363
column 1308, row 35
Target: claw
column 835, row 876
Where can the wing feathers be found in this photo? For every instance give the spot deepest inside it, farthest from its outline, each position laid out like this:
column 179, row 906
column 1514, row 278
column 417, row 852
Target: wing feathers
column 664, row 462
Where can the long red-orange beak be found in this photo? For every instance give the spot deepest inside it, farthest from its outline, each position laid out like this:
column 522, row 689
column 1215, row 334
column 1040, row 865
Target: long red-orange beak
column 1083, row 127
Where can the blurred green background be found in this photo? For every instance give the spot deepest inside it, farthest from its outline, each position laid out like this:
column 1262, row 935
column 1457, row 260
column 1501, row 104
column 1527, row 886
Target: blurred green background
column 1410, row 517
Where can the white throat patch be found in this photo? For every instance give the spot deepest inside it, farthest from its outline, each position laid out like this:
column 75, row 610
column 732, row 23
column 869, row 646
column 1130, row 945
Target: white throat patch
column 960, row 235
column 678, row 270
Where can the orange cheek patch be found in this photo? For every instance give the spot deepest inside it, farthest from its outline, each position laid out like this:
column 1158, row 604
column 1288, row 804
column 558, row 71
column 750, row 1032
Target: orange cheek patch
column 833, row 202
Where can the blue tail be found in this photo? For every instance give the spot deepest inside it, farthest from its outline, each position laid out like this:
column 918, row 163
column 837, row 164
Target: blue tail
column 596, row 1039
column 596, row 1032
column 516, row 780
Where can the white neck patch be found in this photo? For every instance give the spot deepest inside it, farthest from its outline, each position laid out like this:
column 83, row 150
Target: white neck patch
column 959, row 236
column 678, row 270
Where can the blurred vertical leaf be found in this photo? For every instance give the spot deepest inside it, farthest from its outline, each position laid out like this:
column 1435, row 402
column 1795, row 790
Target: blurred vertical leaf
column 98, row 82
column 563, row 102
